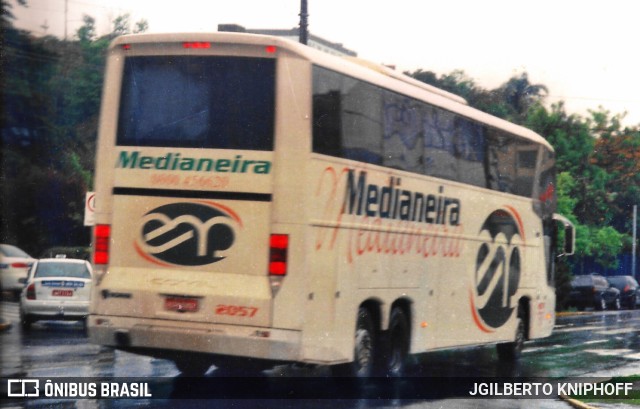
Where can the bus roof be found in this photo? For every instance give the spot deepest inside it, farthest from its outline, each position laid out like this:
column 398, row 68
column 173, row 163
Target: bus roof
column 369, row 72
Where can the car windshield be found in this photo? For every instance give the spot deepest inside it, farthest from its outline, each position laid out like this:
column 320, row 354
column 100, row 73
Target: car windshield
column 582, row 280
column 71, row 270
column 12, row 251
column 620, row 281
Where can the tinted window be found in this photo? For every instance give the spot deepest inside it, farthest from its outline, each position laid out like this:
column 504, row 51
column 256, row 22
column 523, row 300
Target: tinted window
column 203, row 102
column 346, row 117
column 71, row 270
column 356, row 120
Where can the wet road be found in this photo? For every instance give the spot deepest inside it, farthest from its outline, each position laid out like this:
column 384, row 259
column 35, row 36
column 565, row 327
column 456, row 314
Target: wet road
column 598, row 344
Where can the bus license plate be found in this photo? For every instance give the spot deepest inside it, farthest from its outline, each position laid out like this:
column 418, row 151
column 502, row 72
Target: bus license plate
column 62, row 293
column 180, row 304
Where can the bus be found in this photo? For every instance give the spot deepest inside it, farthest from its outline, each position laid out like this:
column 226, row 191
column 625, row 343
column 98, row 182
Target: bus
column 263, row 202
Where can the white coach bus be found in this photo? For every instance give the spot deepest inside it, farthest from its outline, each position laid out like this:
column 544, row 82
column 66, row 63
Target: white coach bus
column 260, row 201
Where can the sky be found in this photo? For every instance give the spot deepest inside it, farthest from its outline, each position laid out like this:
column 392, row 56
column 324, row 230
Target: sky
column 585, row 52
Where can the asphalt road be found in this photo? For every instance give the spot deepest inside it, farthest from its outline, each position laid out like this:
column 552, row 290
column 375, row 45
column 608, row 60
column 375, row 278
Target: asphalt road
column 593, row 344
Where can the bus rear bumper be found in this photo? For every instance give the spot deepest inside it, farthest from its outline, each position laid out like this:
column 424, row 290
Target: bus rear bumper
column 166, row 335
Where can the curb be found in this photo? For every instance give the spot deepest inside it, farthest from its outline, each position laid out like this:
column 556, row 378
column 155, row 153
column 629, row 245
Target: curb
column 576, row 403
column 572, row 313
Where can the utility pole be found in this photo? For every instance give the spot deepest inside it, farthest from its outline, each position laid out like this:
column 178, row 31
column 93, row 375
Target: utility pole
column 634, row 245
column 304, row 22
column 66, row 10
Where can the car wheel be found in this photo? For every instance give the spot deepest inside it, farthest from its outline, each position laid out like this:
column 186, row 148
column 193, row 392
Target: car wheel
column 616, row 304
column 398, row 343
column 16, row 295
column 25, row 321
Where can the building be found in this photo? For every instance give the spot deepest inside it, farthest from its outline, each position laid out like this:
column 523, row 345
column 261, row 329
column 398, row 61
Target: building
column 316, row 42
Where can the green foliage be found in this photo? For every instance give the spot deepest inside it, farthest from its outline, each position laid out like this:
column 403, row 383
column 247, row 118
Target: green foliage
column 51, row 97
column 598, row 162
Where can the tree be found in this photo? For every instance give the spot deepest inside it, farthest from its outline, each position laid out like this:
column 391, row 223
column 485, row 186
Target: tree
column 617, row 151
column 141, row 26
column 87, row 32
column 120, row 26
column 521, row 95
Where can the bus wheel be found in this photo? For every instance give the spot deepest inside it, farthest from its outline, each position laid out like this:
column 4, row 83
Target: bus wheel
column 398, row 343
column 192, row 366
column 511, row 351
column 365, row 348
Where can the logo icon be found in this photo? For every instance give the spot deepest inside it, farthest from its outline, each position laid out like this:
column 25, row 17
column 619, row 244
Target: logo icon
column 23, row 388
column 498, row 268
column 187, row 234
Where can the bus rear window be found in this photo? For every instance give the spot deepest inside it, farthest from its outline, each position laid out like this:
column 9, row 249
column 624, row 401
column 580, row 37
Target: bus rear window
column 197, row 102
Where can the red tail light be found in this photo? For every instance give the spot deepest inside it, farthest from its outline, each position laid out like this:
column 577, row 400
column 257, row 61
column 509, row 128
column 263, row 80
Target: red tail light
column 626, row 288
column 102, row 234
column 19, row 265
column 279, row 244
column 31, row 292
column 196, row 44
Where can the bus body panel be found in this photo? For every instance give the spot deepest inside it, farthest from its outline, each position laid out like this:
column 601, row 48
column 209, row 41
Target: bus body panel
column 191, row 228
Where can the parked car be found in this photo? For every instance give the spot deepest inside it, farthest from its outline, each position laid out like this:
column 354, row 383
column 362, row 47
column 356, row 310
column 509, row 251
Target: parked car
column 56, row 289
column 629, row 290
column 14, row 266
column 593, row 290
column 83, row 253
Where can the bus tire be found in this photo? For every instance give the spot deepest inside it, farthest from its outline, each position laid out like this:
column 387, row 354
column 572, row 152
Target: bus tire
column 365, row 349
column 511, row 351
column 398, row 350
column 191, row 365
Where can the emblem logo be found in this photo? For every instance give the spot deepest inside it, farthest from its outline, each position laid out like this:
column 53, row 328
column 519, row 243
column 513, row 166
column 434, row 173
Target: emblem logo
column 498, row 267
column 188, row 234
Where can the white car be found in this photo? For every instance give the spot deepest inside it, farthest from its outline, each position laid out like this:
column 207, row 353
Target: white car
column 56, row 289
column 14, row 266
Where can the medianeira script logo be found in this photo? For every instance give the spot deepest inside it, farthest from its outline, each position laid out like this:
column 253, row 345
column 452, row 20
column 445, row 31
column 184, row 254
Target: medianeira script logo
column 187, row 234
column 498, row 267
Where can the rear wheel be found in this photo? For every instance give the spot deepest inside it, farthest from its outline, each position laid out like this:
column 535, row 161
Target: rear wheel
column 365, row 349
column 616, row 304
column 398, row 343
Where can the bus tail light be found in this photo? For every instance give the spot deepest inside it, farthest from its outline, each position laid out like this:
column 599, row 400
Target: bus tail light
column 278, row 249
column 196, row 44
column 279, row 243
column 102, row 234
column 31, row 291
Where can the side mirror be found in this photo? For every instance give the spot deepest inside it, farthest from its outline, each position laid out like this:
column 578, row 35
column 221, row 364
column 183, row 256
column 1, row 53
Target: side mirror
column 568, row 245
